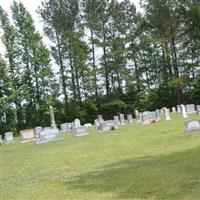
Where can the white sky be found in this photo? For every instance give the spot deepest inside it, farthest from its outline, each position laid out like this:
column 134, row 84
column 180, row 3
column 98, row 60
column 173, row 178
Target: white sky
column 32, row 6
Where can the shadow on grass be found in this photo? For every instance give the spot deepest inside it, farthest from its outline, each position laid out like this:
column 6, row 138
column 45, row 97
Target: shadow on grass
column 174, row 176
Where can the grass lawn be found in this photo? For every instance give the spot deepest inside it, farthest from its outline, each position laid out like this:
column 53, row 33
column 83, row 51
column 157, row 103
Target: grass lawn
column 156, row 161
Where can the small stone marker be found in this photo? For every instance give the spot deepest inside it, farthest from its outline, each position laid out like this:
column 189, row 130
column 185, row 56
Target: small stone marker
column 184, row 113
column 130, row 118
column 157, row 114
column 190, row 108
column 80, row 131
column 137, row 115
column 48, row 135
column 88, row 125
column 107, row 125
column 166, row 113
column 27, row 135
column 121, row 118
column 192, row 125
column 8, row 137
column 77, row 123
column 1, row 140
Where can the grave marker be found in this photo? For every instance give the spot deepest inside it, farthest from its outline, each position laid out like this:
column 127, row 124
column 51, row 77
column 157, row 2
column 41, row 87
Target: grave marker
column 8, row 137
column 27, row 135
column 192, row 125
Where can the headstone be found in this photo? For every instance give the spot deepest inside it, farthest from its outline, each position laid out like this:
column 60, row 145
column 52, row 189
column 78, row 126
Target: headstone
column 66, row 127
column 184, row 113
column 173, row 109
column 190, row 109
column 116, row 120
column 46, row 128
column 52, row 118
column 121, row 118
column 178, row 108
column 130, row 118
column 77, row 123
column 100, row 118
column 27, row 135
column 198, row 109
column 107, row 125
column 80, row 131
column 1, row 140
column 96, row 123
column 8, row 137
column 148, row 117
column 37, row 129
column 157, row 114
column 48, row 135
column 167, row 114
column 192, row 125
column 88, row 125
column 137, row 115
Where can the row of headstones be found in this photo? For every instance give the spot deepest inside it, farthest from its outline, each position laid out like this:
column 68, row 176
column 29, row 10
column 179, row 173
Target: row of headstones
column 102, row 125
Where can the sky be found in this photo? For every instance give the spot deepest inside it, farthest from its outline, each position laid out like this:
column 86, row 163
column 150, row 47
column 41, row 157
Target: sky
column 32, row 6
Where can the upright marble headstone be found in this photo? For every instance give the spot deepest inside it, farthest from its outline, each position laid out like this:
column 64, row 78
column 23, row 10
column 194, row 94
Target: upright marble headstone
column 48, row 135
column 167, row 114
column 148, row 117
column 190, row 108
column 137, row 115
column 184, row 113
column 116, row 120
column 52, row 118
column 157, row 114
column 100, row 118
column 8, row 137
column 198, row 109
column 107, row 125
column 179, row 108
column 66, row 127
column 1, row 140
column 27, row 135
column 121, row 118
column 130, row 118
column 192, row 125
column 77, row 123
column 37, row 130
column 96, row 123
column 173, row 109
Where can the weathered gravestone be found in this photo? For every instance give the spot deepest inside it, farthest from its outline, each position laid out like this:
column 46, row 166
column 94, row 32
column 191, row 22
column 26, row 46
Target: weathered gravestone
column 192, row 125
column 121, row 118
column 157, row 114
column 184, row 113
column 107, row 125
column 100, row 118
column 137, row 117
column 48, row 135
column 1, row 140
column 179, row 108
column 27, row 135
column 80, row 131
column 88, row 125
column 130, row 118
column 166, row 113
column 148, row 117
column 37, row 130
column 116, row 120
column 190, row 108
column 198, row 109
column 173, row 109
column 8, row 137
column 96, row 123
column 65, row 127
column 46, row 128
column 77, row 123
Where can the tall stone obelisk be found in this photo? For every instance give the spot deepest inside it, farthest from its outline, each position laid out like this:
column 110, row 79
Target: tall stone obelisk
column 52, row 118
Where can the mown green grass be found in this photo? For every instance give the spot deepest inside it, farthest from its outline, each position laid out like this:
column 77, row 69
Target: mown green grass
column 156, row 161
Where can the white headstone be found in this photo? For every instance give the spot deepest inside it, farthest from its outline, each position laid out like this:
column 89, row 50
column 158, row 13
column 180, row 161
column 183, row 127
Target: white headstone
column 77, row 123
column 52, row 118
column 173, row 109
column 9, row 137
column 167, row 114
column 1, row 141
column 184, row 113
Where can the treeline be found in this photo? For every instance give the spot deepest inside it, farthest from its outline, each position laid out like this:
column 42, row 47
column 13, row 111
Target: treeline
column 111, row 59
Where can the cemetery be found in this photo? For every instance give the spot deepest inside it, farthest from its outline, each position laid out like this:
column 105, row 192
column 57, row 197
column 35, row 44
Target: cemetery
column 152, row 157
